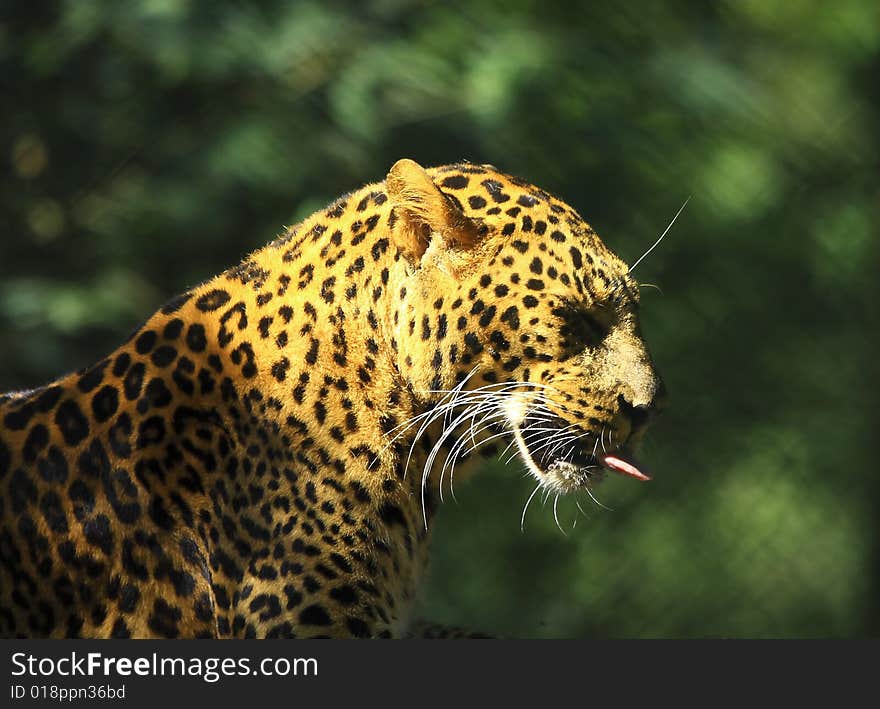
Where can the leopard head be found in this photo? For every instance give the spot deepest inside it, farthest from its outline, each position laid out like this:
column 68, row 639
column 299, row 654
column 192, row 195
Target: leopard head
column 517, row 326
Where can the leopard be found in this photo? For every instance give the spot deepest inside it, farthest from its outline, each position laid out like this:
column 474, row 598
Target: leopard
column 264, row 456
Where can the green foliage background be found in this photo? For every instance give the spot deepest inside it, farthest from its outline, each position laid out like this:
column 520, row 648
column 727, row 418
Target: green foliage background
column 148, row 144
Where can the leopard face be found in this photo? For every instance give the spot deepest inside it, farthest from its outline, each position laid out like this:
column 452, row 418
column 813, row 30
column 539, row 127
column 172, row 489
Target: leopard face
column 519, row 319
column 262, row 457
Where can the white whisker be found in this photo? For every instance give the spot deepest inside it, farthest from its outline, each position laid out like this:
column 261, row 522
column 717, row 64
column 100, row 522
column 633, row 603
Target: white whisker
column 594, row 499
column 522, row 521
column 652, row 285
column 556, row 514
column 654, row 245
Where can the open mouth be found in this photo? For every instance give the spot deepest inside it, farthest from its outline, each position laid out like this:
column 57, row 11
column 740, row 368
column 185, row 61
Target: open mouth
column 568, row 460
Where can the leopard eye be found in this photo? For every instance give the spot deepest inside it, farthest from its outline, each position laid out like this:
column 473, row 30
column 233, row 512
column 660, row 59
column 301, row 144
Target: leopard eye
column 581, row 326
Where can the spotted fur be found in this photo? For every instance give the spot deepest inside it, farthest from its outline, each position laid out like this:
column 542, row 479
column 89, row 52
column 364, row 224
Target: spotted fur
column 238, row 466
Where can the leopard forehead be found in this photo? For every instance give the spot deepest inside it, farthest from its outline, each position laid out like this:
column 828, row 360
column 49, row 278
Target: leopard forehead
column 537, row 226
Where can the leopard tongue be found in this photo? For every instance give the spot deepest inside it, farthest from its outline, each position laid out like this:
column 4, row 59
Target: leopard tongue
column 624, row 467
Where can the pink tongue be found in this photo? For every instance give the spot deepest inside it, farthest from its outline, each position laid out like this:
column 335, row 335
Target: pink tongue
column 622, row 466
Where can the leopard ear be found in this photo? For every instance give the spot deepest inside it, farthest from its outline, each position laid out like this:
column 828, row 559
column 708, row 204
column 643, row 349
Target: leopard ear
column 423, row 212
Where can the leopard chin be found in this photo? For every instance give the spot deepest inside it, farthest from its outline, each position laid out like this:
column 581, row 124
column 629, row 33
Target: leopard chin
column 561, row 456
column 574, row 468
